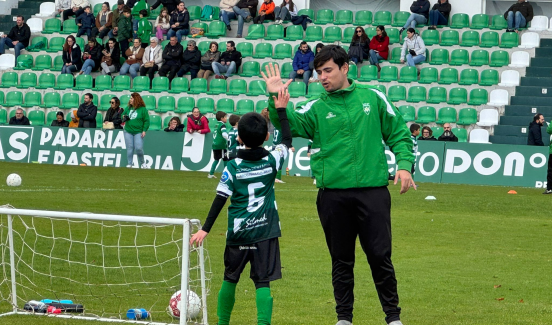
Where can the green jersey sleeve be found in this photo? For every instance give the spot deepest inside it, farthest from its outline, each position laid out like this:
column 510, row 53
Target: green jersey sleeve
column 301, row 121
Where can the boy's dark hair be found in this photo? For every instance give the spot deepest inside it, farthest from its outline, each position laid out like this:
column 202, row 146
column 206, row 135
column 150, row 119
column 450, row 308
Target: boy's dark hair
column 220, row 115
column 143, row 12
column 252, row 129
column 126, row 9
column 335, row 52
column 234, row 119
column 414, row 127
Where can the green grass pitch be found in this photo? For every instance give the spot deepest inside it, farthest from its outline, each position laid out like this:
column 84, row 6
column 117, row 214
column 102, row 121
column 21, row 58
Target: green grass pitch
column 476, row 255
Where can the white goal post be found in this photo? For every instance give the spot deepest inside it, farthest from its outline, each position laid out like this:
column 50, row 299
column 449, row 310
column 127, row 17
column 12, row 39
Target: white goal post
column 107, row 263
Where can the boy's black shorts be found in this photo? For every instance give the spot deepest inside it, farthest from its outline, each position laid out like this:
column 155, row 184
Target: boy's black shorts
column 220, row 154
column 264, row 257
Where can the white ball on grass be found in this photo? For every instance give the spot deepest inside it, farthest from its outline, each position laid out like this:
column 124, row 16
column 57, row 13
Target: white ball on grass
column 13, row 180
column 193, row 308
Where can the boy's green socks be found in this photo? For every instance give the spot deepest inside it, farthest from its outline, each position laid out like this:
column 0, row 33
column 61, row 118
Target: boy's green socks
column 226, row 299
column 214, row 167
column 264, row 306
column 279, row 174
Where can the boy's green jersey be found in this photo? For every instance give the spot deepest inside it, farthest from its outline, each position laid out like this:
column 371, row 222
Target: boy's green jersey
column 233, row 143
column 219, row 139
column 252, row 214
column 276, row 137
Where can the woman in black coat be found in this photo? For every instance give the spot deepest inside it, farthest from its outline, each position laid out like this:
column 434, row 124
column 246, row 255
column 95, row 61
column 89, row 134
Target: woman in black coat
column 92, row 56
column 111, row 57
column 114, row 113
column 71, row 55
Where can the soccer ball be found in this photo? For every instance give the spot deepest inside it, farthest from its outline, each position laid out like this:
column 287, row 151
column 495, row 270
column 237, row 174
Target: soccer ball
column 13, row 180
column 194, row 305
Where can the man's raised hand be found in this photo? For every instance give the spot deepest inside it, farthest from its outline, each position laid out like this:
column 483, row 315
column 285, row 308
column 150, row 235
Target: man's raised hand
column 273, row 79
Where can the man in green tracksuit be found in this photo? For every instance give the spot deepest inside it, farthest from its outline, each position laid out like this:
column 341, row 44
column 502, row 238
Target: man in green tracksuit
column 350, row 124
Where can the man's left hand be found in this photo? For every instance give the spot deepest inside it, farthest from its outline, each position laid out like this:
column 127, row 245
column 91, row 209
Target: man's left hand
column 15, row 42
column 406, row 180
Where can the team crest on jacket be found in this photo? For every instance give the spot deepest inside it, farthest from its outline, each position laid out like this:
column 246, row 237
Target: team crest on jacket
column 366, row 108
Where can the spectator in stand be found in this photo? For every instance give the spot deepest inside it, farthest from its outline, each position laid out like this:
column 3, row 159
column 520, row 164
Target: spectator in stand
column 180, row 19
column 439, row 14
column 71, row 55
column 549, row 172
column 87, row 112
column 18, row 38
column 379, row 47
column 447, row 134
column 136, row 119
column 518, row 15
column 77, row 8
column 103, row 22
column 162, row 24
column 74, row 119
column 152, row 59
column 266, row 12
column 86, row 22
column 246, row 10
column 360, row 45
column 134, row 56
column 144, row 28
column 286, row 11
column 169, row 5
column 191, row 60
column 227, row 11
column 62, row 5
column 419, row 15
column 175, row 125
column 124, row 30
column 172, row 56
column 414, row 45
column 534, row 138
column 210, row 56
column 230, row 62
column 117, row 13
column 111, row 59
column 19, row 118
column 91, row 57
column 317, row 49
column 197, row 122
column 115, row 113
column 60, row 120
column 427, row 134
column 301, row 63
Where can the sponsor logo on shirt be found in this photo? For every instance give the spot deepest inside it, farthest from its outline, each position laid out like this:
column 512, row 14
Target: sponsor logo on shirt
column 366, row 108
column 133, row 114
column 330, row 115
column 254, row 173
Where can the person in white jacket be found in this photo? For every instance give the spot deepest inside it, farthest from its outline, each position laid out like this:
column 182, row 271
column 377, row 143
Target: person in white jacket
column 227, row 11
column 62, row 5
column 77, row 8
column 286, row 11
column 413, row 48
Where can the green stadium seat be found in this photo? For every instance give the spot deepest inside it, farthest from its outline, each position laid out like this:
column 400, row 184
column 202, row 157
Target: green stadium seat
column 343, row 17
column 260, row 105
column 286, row 68
column 32, row 99
column 167, row 120
column 179, row 85
column 255, row 32
column 52, row 25
column 205, row 29
column 479, row 21
column 166, row 104
column 56, row 44
column 155, row 123
column 217, row 29
column 470, row 38
column 458, row 96
column 382, row 18
column 446, row 115
column 185, row 105
column 426, row 114
column 42, row 62
column 400, row 18
column 35, row 40
column 509, row 40
column 80, row 42
column 448, row 76
column 469, row 77
column 245, row 48
column 395, row 55
column 397, row 93
column 24, row 62
column 394, row 35
column 499, row 58
column 467, row 116
column 50, row 117
column 9, row 79
column 353, row 72
column 160, row 84
column 274, row 32
column 263, row 50
column 294, row 33
column 306, row 12
column 368, row 72
column 105, row 102
column 489, row 39
column 389, row 73
column 315, row 89
column 439, row 56
column 430, row 37
column 460, row 21
column 121, row 83
column 46, row 80
column 14, row 98
column 408, row 74
column 250, row 69
column 203, row 46
column 124, row 100
column 437, row 95
column 363, row 17
column 64, row 81
column 164, row 43
column 195, row 12
column 478, row 96
column 416, row 94
column 461, row 134
column 83, row 82
column 428, row 75
column 437, row 131
column 489, row 77
column 324, row 16
column 225, row 105
column 479, row 58
column 58, row 63
column 449, row 38
column 198, row 86
column 36, row 117
column 51, row 99
column 498, row 23
column 69, row 27
column 257, row 88
column 27, row 80
column 282, row 51
column 150, row 101
column 313, row 34
column 332, row 34
column 370, row 32
column 3, row 116
column 102, row 82
column 459, row 57
column 408, row 112
column 245, row 106
column 217, row 87
column 237, row 87
column 141, row 83
column 297, row 89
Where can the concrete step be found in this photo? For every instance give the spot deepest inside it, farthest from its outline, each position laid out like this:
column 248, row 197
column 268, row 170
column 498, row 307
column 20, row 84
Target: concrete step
column 546, row 42
column 536, row 81
column 543, row 51
column 519, row 131
column 538, row 72
column 542, row 61
column 522, row 121
column 535, row 91
column 525, row 110
column 504, row 139
column 528, row 100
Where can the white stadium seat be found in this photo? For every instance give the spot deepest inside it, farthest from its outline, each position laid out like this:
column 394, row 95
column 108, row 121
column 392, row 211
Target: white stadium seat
column 520, row 59
column 488, row 117
column 539, row 23
column 529, row 40
column 509, row 78
column 7, row 61
column 479, row 136
column 35, row 24
column 47, row 9
column 498, row 97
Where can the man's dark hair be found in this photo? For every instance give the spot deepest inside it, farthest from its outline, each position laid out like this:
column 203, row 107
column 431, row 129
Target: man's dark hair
column 231, row 43
column 252, row 129
column 89, row 95
column 220, row 115
column 335, row 52
column 143, row 12
column 303, row 43
column 414, row 127
column 23, row 18
column 234, row 119
column 536, row 117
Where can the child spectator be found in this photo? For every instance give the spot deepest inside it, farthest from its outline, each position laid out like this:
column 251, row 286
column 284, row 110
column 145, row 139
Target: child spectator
column 175, row 125
column 233, row 137
column 266, row 12
column 162, row 24
column 220, row 136
column 144, row 28
column 86, row 22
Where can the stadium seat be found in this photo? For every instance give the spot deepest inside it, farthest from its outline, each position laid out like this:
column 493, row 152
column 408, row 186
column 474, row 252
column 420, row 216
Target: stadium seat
column 245, row 106
column 274, row 32
column 470, row 38
column 498, row 22
column 297, row 89
column 141, row 83
column 225, row 105
column 439, row 56
column 83, row 82
column 263, row 50
column 46, row 80
column 539, row 24
column 58, row 63
column 51, row 99
column 217, row 29
column 529, row 40
column 343, row 17
column 437, row 95
column 217, row 87
column 489, row 77
column 397, row 93
column 13, row 98
column 332, row 34
column 167, row 120
column 102, row 82
column 368, row 73
column 34, row 41
column 32, row 99
column 294, row 33
column 509, row 78
column 203, row 46
column 428, row 75
column 257, row 88
column 479, row 21
column 461, row 134
column 50, row 117
column 237, row 87
column 448, row 76
column 315, row 89
column 382, row 18
column 478, row 96
column 408, row 112
column 265, row 65
column 36, row 117
column 27, row 80
column 155, row 123
column 437, row 131
column 286, row 68
column 7, row 61
column 1, row 98
column 324, row 16
column 42, row 62
column 105, row 102
column 250, row 69
column 449, row 38
column 395, row 55
column 124, row 100
column 47, row 9
column 24, row 62
column 159, row 85
column 166, row 104
column 459, row 57
column 469, row 77
column 488, row 117
column 460, row 21
column 9, row 79
column 245, row 48
column 479, row 58
column 457, row 96
column 195, row 12
column 408, row 74
column 363, row 17
column 389, row 73
column 498, row 97
column 313, row 34
column 520, row 59
column 206, row 105
column 416, row 94
column 430, row 37
column 479, row 136
column 446, row 115
column 353, row 72
column 185, row 105
column 489, row 39
column 150, row 101
column 3, row 116
column 260, row 105
column 69, row 27
column 467, row 116
column 255, row 32
column 205, row 30
column 426, row 114
column 64, row 81
column 121, row 83
column 282, row 51
column 198, row 86
column 400, row 18
column 392, row 33
column 509, row 40
column 306, row 12
column 96, row 9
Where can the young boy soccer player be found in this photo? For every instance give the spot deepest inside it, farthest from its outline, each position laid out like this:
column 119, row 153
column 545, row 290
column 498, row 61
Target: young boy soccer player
column 233, row 144
column 219, row 143
column 253, row 222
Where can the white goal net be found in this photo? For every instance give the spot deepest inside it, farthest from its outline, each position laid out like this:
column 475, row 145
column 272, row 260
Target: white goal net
column 99, row 267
